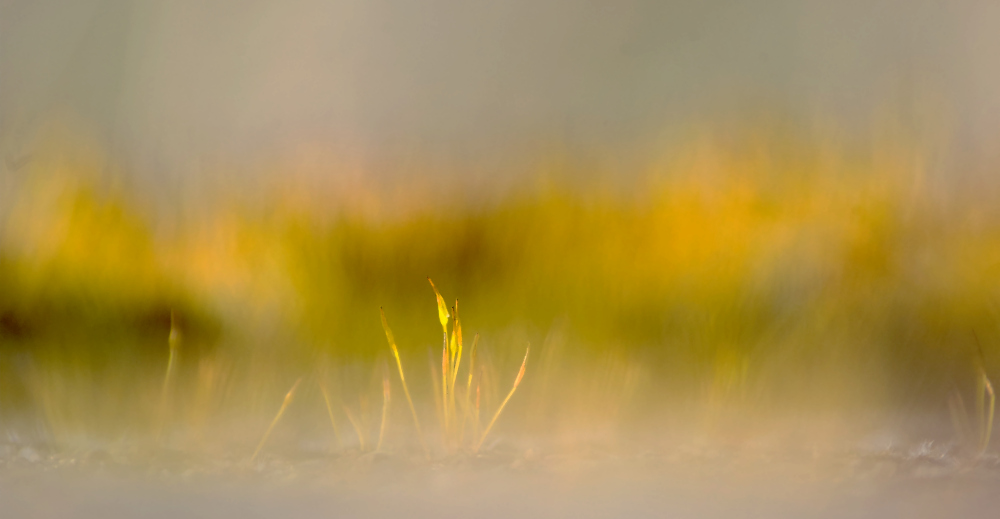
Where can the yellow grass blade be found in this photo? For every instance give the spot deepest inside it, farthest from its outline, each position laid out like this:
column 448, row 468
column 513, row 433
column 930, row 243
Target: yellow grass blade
column 442, row 309
column 452, row 347
column 385, row 410
column 284, row 405
column 329, row 411
column 402, row 378
column 457, row 347
column 517, row 381
column 443, row 317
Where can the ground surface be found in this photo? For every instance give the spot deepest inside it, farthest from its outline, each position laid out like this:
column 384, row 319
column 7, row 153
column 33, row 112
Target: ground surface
column 690, row 481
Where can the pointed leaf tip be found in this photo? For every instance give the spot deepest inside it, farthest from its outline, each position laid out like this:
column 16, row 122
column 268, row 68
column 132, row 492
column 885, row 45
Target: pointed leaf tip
column 443, row 314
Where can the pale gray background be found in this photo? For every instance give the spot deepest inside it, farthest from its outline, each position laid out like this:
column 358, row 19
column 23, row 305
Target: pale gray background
column 172, row 85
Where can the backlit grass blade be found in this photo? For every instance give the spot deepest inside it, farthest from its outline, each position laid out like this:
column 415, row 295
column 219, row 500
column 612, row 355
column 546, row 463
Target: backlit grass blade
column 472, row 365
column 517, row 381
column 436, row 383
column 989, row 407
column 475, row 423
column 329, row 411
column 173, row 343
column 356, row 424
column 466, row 404
column 457, row 347
column 385, row 410
column 442, row 308
column 985, row 400
column 443, row 317
column 284, row 405
column 445, row 376
column 402, row 378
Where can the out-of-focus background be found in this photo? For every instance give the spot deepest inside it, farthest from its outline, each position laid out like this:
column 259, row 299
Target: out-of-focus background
column 776, row 207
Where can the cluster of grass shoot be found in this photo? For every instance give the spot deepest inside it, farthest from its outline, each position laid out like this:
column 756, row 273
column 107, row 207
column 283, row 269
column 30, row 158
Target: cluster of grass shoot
column 459, row 408
column 457, row 414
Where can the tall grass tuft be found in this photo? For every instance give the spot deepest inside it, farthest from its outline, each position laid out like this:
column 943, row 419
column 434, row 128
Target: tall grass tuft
column 445, row 382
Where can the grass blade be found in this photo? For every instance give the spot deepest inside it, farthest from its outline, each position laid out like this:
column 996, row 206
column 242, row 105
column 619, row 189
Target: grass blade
column 357, row 427
column 517, row 381
column 989, row 409
column 457, row 354
column 284, row 405
column 329, row 411
column 402, row 378
column 466, row 404
column 385, row 410
column 173, row 342
column 442, row 309
column 445, row 375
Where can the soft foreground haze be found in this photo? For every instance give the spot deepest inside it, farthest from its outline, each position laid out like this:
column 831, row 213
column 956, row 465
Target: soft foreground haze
column 694, row 259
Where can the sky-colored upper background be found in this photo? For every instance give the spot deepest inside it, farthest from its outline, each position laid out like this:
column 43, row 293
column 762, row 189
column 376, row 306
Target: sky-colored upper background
column 169, row 84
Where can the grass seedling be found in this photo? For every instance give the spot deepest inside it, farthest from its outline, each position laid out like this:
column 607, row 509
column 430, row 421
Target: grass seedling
column 443, row 314
column 173, row 343
column 517, row 381
column 466, row 403
column 985, row 400
column 456, row 346
column 385, row 411
column 284, row 405
column 329, row 411
column 443, row 317
column 985, row 407
column 402, row 378
column 959, row 417
column 472, row 367
column 445, row 382
column 475, row 417
column 445, row 375
column 436, row 388
column 456, row 358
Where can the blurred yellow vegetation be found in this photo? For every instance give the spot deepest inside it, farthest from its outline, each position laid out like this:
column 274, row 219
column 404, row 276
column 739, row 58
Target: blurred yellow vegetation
column 731, row 276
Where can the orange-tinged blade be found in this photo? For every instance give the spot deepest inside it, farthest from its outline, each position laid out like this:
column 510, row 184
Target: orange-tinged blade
column 520, row 374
